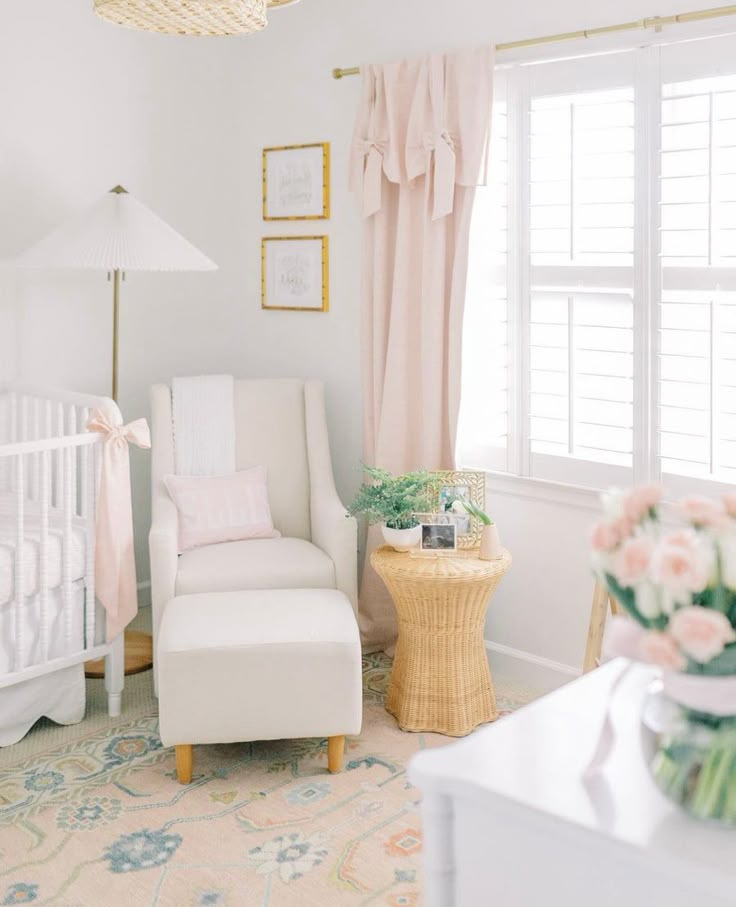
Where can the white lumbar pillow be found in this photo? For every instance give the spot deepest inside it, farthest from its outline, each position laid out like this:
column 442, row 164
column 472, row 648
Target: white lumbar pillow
column 221, row 508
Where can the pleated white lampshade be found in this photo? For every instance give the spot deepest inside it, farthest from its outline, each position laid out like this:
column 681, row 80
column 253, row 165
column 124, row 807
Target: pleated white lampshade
column 117, row 233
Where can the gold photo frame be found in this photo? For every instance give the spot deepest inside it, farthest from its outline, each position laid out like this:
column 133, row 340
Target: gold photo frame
column 296, row 182
column 451, row 486
column 295, row 273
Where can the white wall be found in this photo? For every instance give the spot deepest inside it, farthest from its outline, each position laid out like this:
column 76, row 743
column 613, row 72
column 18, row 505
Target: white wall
column 542, row 606
column 181, row 123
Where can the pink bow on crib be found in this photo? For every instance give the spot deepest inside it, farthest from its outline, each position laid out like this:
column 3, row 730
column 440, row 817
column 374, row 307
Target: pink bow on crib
column 115, row 577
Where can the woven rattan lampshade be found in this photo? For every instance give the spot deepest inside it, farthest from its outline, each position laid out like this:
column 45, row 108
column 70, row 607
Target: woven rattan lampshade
column 203, row 18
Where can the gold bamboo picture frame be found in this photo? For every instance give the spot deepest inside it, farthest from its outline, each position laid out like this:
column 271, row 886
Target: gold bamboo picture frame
column 295, row 273
column 450, row 486
column 296, row 182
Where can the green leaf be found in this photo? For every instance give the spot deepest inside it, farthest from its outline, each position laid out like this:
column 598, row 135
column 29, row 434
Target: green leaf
column 722, row 664
column 393, row 500
column 476, row 512
column 627, row 598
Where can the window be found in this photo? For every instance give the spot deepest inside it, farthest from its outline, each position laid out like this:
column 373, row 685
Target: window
column 600, row 335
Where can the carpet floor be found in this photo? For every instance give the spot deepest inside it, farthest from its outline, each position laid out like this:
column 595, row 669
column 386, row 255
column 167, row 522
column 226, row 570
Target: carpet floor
column 92, row 816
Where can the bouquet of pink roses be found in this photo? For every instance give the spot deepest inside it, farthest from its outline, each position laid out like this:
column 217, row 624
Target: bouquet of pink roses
column 679, row 585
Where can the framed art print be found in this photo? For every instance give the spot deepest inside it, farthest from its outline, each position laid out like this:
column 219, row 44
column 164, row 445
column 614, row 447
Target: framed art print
column 451, row 489
column 295, row 273
column 296, row 182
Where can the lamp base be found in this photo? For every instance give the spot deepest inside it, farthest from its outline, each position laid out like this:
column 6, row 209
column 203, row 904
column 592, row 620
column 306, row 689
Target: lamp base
column 138, row 656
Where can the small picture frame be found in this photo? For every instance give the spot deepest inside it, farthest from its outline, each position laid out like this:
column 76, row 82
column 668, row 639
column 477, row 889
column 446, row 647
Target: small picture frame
column 296, row 182
column 295, row 273
column 438, row 538
column 451, row 489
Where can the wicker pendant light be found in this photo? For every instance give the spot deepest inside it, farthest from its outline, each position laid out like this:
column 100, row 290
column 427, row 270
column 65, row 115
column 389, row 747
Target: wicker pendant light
column 202, row 18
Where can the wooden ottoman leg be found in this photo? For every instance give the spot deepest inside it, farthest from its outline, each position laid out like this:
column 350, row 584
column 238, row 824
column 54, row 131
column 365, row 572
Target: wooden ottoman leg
column 335, row 753
column 184, row 760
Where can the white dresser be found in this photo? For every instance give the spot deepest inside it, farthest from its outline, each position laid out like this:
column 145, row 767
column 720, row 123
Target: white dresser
column 509, row 822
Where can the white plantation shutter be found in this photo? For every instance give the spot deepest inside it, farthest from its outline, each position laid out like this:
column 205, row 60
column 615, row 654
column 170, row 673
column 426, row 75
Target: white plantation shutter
column 600, row 339
column 582, row 178
column 582, row 377
column 696, row 361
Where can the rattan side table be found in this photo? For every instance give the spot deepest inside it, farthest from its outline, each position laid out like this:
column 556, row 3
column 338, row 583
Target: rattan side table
column 440, row 679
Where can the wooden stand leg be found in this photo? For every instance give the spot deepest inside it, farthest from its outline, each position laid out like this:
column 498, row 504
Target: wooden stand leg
column 598, row 614
column 335, row 753
column 184, row 760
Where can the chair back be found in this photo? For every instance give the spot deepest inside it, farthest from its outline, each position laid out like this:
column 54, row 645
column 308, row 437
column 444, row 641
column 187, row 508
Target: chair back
column 270, row 431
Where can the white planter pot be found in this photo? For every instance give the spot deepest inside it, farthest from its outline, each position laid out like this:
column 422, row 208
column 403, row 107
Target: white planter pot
column 402, row 539
column 490, row 544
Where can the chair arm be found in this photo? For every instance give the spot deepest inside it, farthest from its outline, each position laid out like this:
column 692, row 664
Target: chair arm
column 337, row 535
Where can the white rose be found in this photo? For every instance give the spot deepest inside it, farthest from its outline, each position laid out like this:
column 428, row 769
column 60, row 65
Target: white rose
column 727, row 545
column 647, row 600
column 613, row 503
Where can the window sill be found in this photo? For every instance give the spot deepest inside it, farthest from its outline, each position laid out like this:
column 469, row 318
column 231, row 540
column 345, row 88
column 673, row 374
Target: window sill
column 577, row 496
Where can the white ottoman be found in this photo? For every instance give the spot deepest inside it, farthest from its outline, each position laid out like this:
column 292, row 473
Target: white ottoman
column 258, row 665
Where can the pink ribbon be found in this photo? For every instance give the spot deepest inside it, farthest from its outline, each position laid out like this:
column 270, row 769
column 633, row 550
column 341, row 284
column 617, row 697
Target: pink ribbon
column 372, row 151
column 115, row 577
column 443, row 146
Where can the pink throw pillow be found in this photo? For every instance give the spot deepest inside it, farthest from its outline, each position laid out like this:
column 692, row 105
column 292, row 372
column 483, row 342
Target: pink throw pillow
column 221, row 508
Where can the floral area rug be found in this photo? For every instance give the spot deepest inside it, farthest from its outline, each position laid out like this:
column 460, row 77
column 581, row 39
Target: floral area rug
column 102, row 822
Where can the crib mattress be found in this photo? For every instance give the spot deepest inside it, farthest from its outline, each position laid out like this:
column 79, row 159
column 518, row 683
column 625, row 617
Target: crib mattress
column 32, row 549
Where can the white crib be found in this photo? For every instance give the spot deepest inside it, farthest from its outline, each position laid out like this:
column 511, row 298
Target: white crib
column 50, row 621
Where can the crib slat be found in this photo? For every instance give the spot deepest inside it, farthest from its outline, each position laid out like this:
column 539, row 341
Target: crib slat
column 43, row 573
column 72, row 428
column 67, row 549
column 89, row 572
column 13, row 417
column 35, row 477
column 59, row 470
column 20, row 551
column 83, row 455
column 24, row 404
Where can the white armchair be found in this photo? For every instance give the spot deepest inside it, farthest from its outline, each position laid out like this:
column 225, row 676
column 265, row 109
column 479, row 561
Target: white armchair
column 281, row 425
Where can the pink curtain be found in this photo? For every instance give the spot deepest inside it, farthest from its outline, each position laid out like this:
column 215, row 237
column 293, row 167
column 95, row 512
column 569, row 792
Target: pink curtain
column 419, row 146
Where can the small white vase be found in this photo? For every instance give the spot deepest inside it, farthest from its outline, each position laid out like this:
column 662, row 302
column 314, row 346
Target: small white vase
column 402, row 539
column 490, row 544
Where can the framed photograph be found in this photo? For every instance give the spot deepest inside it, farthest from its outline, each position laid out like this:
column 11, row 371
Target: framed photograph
column 438, row 537
column 452, row 488
column 296, row 182
column 295, row 273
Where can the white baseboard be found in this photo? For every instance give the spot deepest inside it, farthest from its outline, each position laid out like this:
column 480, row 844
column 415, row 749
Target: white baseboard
column 528, row 670
column 144, row 594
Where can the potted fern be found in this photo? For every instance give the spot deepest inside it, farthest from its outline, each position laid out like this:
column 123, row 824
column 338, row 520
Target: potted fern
column 394, row 501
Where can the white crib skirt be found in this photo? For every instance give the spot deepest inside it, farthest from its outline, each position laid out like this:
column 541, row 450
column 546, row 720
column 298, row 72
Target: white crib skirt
column 59, row 696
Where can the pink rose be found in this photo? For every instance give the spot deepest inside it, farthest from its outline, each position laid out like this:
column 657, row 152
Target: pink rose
column 631, row 561
column 729, row 503
column 606, row 536
column 661, row 650
column 701, row 632
column 682, row 564
column 639, row 501
column 702, row 512
column 622, row 637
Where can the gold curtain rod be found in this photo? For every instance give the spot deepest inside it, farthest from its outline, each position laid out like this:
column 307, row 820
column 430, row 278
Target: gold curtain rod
column 655, row 22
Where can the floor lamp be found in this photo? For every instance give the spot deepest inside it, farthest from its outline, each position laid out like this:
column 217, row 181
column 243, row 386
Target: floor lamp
column 118, row 234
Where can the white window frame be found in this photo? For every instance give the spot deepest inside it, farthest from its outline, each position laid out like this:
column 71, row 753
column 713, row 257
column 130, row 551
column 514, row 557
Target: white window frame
column 586, row 476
